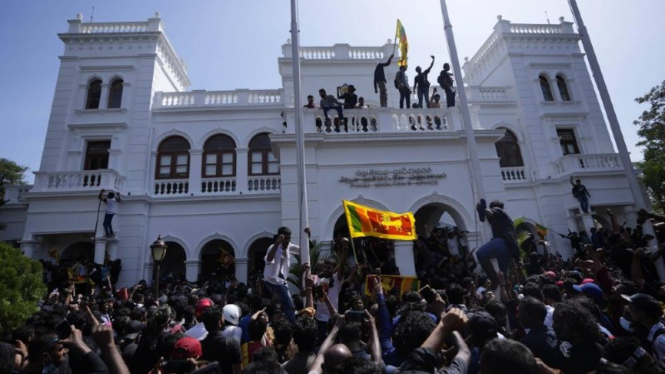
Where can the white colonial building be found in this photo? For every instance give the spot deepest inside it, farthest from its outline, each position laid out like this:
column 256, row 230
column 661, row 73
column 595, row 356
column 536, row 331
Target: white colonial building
column 217, row 169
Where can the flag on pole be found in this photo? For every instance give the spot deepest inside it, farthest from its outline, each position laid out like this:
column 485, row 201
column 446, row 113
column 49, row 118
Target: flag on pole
column 364, row 221
column 400, row 36
column 542, row 230
column 225, row 259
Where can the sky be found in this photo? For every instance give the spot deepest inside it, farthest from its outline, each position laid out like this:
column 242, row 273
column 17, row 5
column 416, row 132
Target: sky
column 229, row 44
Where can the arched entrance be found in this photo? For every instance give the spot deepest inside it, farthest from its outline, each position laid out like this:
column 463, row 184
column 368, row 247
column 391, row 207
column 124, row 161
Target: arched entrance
column 217, row 257
column 79, row 251
column 257, row 251
column 441, row 236
column 174, row 261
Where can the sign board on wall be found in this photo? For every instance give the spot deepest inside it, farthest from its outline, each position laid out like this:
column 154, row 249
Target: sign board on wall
column 364, row 178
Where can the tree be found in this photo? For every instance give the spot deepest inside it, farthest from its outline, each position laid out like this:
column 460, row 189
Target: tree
column 653, row 178
column 10, row 173
column 652, row 130
column 21, row 287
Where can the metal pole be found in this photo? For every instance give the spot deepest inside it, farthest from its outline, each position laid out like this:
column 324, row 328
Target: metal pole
column 157, row 279
column 300, row 138
column 477, row 179
column 640, row 202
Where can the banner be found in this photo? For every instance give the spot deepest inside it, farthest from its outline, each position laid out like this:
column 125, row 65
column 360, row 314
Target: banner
column 393, row 282
column 400, row 36
column 365, row 221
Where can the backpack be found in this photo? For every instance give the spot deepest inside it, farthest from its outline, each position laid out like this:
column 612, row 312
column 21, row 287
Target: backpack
column 397, row 81
column 441, row 80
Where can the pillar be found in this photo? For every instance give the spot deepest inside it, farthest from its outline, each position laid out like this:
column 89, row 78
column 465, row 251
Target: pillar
column 241, row 269
column 404, row 257
column 192, row 268
column 242, row 170
column 104, row 100
column 113, row 249
column 100, row 250
column 28, row 248
column 587, row 222
column 195, row 168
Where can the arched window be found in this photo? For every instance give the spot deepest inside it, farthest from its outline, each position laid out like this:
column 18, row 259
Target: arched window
column 545, row 87
column 508, row 151
column 563, row 88
column 219, row 157
column 173, row 158
column 261, row 159
column 94, row 94
column 115, row 94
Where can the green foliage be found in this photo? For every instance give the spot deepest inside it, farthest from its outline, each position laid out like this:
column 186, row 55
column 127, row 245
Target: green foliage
column 21, row 287
column 10, row 173
column 296, row 270
column 653, row 177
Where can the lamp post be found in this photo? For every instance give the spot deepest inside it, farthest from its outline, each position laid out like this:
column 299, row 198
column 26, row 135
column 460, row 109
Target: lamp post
column 158, row 250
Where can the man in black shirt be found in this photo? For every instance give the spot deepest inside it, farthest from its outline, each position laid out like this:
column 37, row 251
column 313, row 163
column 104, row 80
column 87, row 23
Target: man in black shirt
column 350, row 98
column 217, row 348
column 581, row 194
column 421, row 84
column 380, row 82
column 446, row 81
column 503, row 246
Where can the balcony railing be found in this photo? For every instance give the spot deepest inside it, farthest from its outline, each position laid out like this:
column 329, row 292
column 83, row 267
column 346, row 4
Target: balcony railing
column 218, row 185
column 87, row 180
column 171, row 187
column 594, row 162
column 514, row 174
column 15, row 193
column 271, row 183
column 206, row 99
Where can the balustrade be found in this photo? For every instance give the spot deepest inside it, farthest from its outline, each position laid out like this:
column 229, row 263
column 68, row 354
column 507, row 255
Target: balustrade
column 593, row 162
column 77, row 180
column 216, row 98
column 264, row 183
column 520, row 28
column 171, row 187
column 113, row 27
column 513, row 174
column 218, row 185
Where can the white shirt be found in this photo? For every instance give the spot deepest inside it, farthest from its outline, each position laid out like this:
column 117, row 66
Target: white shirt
column 233, row 332
column 322, row 313
column 198, row 331
column 279, row 264
column 111, row 205
column 548, row 317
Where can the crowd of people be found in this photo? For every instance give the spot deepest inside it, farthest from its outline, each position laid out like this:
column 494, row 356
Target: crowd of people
column 597, row 311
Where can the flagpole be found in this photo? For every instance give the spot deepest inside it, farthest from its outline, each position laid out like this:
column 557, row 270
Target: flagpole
column 300, row 138
column 640, row 202
column 464, row 108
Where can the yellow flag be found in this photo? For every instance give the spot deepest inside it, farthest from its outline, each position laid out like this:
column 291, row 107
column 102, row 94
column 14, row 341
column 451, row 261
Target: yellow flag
column 400, row 36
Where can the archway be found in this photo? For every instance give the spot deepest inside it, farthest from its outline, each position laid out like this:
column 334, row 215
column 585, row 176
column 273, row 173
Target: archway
column 215, row 259
column 174, row 261
column 441, row 235
column 257, row 251
column 79, row 251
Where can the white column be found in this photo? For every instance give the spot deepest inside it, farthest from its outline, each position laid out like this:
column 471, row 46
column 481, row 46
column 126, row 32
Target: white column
column 572, row 221
column 631, row 216
column 100, row 250
column 104, row 100
column 192, row 268
column 113, row 249
column 587, row 221
column 241, row 269
column 195, row 164
column 404, row 257
column 242, row 170
column 28, row 248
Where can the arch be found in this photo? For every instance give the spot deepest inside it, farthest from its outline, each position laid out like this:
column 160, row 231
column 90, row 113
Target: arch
column 332, row 220
column 173, row 158
column 545, row 87
column 260, row 159
column 78, row 249
column 562, row 86
column 508, row 151
column 182, row 243
column 256, row 252
column 252, row 239
column 218, row 131
column 93, row 94
column 256, row 132
column 174, row 132
column 219, row 157
column 463, row 219
column 115, row 93
column 511, row 127
column 174, row 260
column 211, row 259
column 216, row 236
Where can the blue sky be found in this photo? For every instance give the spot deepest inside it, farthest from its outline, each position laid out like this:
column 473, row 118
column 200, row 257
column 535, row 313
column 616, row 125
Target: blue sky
column 231, row 44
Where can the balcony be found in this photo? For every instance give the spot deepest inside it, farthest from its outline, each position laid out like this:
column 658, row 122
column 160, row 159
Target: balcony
column 217, row 99
column 77, row 181
column 15, row 193
column 514, row 175
column 229, row 186
column 575, row 163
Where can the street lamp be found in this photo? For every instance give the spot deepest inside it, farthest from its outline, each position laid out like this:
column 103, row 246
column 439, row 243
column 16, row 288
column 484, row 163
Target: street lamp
column 158, row 249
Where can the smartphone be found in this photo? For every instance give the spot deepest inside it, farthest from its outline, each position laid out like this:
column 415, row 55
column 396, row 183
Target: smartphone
column 63, row 330
column 428, row 294
column 354, row 316
column 177, row 366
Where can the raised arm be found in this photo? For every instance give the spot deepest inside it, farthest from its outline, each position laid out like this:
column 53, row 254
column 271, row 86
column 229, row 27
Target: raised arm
column 271, row 253
column 387, row 63
column 571, row 181
column 454, row 320
column 430, row 66
column 316, row 366
column 373, row 343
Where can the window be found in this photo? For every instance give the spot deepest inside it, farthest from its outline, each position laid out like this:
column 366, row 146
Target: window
column 94, row 94
column 567, row 141
column 97, row 155
column 219, row 157
column 115, row 93
column 563, row 88
column 261, row 159
column 545, row 87
column 173, row 158
column 508, row 151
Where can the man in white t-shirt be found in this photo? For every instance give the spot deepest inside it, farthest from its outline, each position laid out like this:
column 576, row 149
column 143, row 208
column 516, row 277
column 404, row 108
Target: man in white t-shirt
column 111, row 201
column 330, row 281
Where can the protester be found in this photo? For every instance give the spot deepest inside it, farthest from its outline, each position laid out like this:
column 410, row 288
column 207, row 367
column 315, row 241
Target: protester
column 111, row 201
column 380, row 82
column 446, row 82
column 581, row 194
column 421, row 85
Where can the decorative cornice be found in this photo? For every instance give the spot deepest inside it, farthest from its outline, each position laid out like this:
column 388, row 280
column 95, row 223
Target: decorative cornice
column 100, row 112
column 117, row 126
column 111, row 68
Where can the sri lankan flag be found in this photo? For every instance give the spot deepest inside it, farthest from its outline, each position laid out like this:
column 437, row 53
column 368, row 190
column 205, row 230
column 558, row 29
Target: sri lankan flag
column 225, row 259
column 400, row 35
column 391, row 282
column 364, row 221
column 542, row 230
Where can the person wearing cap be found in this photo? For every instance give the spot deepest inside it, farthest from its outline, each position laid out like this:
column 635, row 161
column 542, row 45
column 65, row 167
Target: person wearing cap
column 185, row 348
column 199, row 331
column 646, row 311
column 232, row 313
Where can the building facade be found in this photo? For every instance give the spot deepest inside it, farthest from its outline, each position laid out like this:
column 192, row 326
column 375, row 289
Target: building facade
column 216, row 170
